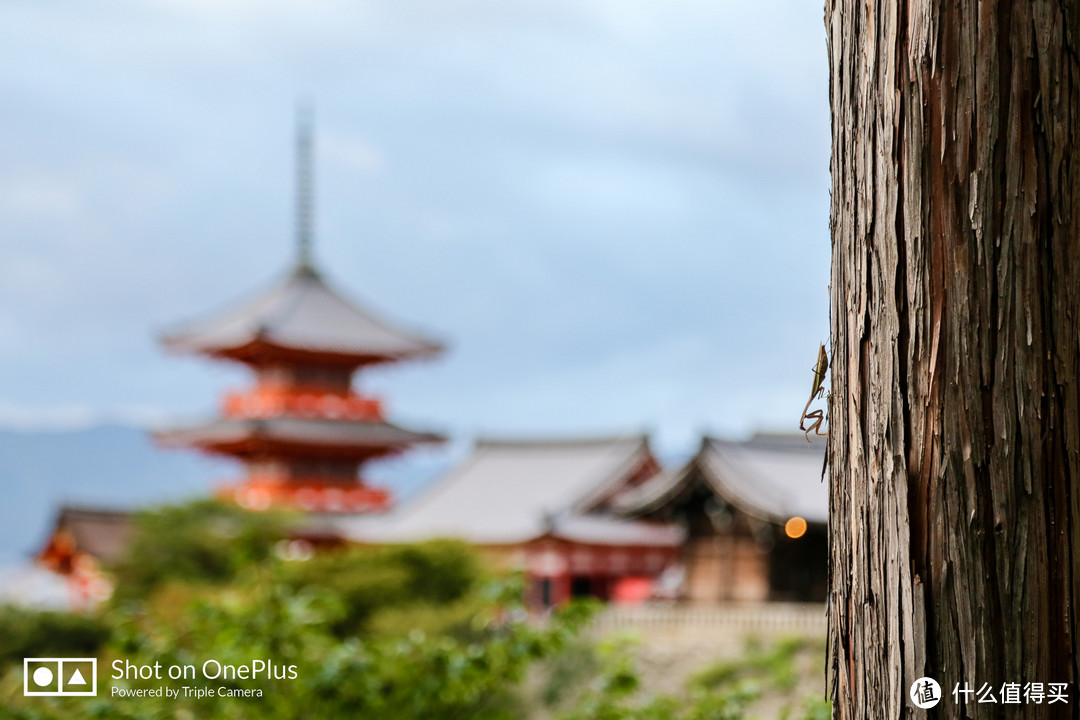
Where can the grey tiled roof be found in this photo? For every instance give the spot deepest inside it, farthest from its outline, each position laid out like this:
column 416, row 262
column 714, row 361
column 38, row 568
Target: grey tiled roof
column 301, row 313
column 298, row 431
column 511, row 492
column 605, row 530
column 654, row 493
column 101, row 533
column 774, row 477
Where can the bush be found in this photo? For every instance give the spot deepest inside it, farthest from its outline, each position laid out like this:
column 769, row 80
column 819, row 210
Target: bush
column 395, row 633
column 200, row 542
column 393, row 677
column 775, row 665
column 412, row 582
column 29, row 633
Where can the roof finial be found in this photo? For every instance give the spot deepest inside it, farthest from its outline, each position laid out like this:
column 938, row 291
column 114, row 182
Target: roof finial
column 304, row 180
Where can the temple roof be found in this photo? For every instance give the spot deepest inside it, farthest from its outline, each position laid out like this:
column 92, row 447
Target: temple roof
column 772, row 477
column 101, row 533
column 607, row 530
column 302, row 315
column 231, row 435
column 511, row 492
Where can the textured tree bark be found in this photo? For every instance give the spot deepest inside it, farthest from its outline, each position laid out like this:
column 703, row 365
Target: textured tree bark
column 955, row 408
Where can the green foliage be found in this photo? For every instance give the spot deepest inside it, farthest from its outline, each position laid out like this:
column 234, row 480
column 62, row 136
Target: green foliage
column 812, row 709
column 453, row 619
column 395, row 633
column 385, row 589
column 726, row 691
column 775, row 665
column 440, row 571
column 200, row 542
column 614, row 695
column 389, row 677
column 28, row 633
column 567, row 671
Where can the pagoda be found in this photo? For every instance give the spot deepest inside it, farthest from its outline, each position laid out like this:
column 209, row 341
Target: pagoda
column 302, row 430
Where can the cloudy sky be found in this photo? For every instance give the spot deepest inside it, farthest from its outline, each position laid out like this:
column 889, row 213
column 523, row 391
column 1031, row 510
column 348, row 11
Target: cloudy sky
column 615, row 212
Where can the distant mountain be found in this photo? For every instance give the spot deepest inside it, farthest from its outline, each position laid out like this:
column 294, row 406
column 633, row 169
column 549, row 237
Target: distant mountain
column 115, row 466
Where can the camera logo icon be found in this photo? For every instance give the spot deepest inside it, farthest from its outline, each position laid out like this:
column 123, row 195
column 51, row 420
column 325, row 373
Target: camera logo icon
column 59, row 676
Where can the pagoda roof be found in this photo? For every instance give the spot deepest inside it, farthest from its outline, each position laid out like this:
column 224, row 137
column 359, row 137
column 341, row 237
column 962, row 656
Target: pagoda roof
column 300, row 315
column 510, row 492
column 336, row 436
column 772, row 477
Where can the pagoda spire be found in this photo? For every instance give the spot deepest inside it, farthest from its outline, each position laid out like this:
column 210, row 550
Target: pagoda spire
column 302, row 431
column 305, row 116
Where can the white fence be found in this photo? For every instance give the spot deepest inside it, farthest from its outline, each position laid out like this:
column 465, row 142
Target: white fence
column 720, row 621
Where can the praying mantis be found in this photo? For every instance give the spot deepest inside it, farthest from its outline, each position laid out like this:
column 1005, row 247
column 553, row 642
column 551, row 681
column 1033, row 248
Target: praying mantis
column 818, row 416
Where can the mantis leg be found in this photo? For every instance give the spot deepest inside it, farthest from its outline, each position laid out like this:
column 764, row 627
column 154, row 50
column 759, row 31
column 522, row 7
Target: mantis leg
column 818, row 416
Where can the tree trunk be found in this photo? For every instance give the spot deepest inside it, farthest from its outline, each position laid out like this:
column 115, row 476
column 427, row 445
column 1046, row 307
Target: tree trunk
column 955, row 408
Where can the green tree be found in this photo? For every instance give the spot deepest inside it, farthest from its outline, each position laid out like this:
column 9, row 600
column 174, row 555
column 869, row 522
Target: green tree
column 199, row 542
column 29, row 633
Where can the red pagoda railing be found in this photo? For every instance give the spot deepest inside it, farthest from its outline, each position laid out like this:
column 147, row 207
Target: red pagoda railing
column 326, row 498
column 263, row 403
